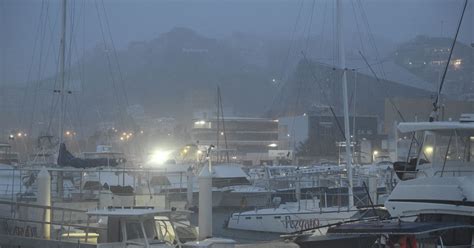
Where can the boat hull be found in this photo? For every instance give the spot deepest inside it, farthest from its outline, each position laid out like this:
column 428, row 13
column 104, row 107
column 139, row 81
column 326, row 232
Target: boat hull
column 336, row 241
column 284, row 221
column 437, row 195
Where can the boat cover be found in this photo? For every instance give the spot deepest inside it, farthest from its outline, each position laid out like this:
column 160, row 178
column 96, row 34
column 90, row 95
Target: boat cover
column 66, row 159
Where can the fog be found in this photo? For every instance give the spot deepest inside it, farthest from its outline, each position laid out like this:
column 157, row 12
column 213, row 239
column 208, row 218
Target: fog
column 392, row 20
column 165, row 58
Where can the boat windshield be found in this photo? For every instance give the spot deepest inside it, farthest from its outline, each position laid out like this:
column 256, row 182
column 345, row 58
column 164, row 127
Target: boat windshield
column 450, row 146
column 165, row 229
column 153, row 232
column 150, row 230
column 135, row 232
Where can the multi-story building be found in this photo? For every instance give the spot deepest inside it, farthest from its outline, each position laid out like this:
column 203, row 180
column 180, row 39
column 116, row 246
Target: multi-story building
column 245, row 139
column 318, row 137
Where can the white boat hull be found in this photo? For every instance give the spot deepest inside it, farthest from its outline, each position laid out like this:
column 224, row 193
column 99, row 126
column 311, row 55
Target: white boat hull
column 433, row 195
column 284, row 221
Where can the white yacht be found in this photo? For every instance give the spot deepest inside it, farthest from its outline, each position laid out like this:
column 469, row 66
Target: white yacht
column 441, row 178
column 106, row 228
column 290, row 217
column 231, row 179
column 438, row 185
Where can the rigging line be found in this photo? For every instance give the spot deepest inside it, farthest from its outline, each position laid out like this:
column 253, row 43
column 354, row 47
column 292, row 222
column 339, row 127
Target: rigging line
column 39, row 73
column 323, row 26
column 55, row 82
column 323, row 93
column 51, row 43
column 284, row 71
column 28, row 77
column 391, row 101
column 354, row 111
column 83, row 43
column 358, row 28
column 71, row 41
column 218, row 129
column 73, row 44
column 335, row 45
column 114, row 86
column 309, row 26
column 53, row 106
column 378, row 80
column 73, row 133
column 371, row 36
column 295, row 109
column 78, row 111
column 78, row 106
column 300, row 88
column 284, row 65
column 69, row 54
column 115, row 54
column 436, row 102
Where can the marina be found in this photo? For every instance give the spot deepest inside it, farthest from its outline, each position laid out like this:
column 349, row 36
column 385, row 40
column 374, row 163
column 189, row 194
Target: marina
column 146, row 124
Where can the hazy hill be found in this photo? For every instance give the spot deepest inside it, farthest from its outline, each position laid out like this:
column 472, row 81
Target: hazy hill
column 171, row 75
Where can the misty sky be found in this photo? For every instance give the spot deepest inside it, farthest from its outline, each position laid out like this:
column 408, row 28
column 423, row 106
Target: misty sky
column 394, row 20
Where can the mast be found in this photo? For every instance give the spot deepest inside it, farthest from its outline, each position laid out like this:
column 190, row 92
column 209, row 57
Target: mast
column 342, row 64
column 435, row 113
column 62, row 54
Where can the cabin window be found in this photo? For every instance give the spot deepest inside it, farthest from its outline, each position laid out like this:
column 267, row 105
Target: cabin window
column 149, row 226
column 449, row 146
column 277, row 217
column 248, row 218
column 259, row 217
column 134, row 231
column 165, row 229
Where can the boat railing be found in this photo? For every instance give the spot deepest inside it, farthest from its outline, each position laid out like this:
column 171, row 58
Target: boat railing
column 85, row 184
column 333, row 198
column 61, row 218
column 454, row 173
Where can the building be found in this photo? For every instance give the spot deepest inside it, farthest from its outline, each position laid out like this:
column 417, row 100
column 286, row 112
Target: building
column 292, row 131
column 318, row 83
column 426, row 57
column 325, row 139
column 245, row 139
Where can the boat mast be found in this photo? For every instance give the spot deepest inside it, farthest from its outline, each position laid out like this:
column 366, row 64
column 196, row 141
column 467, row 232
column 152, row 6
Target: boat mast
column 434, row 114
column 342, row 64
column 62, row 54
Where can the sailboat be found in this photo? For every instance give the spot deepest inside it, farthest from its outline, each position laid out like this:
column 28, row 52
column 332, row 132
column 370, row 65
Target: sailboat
column 433, row 204
column 289, row 218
